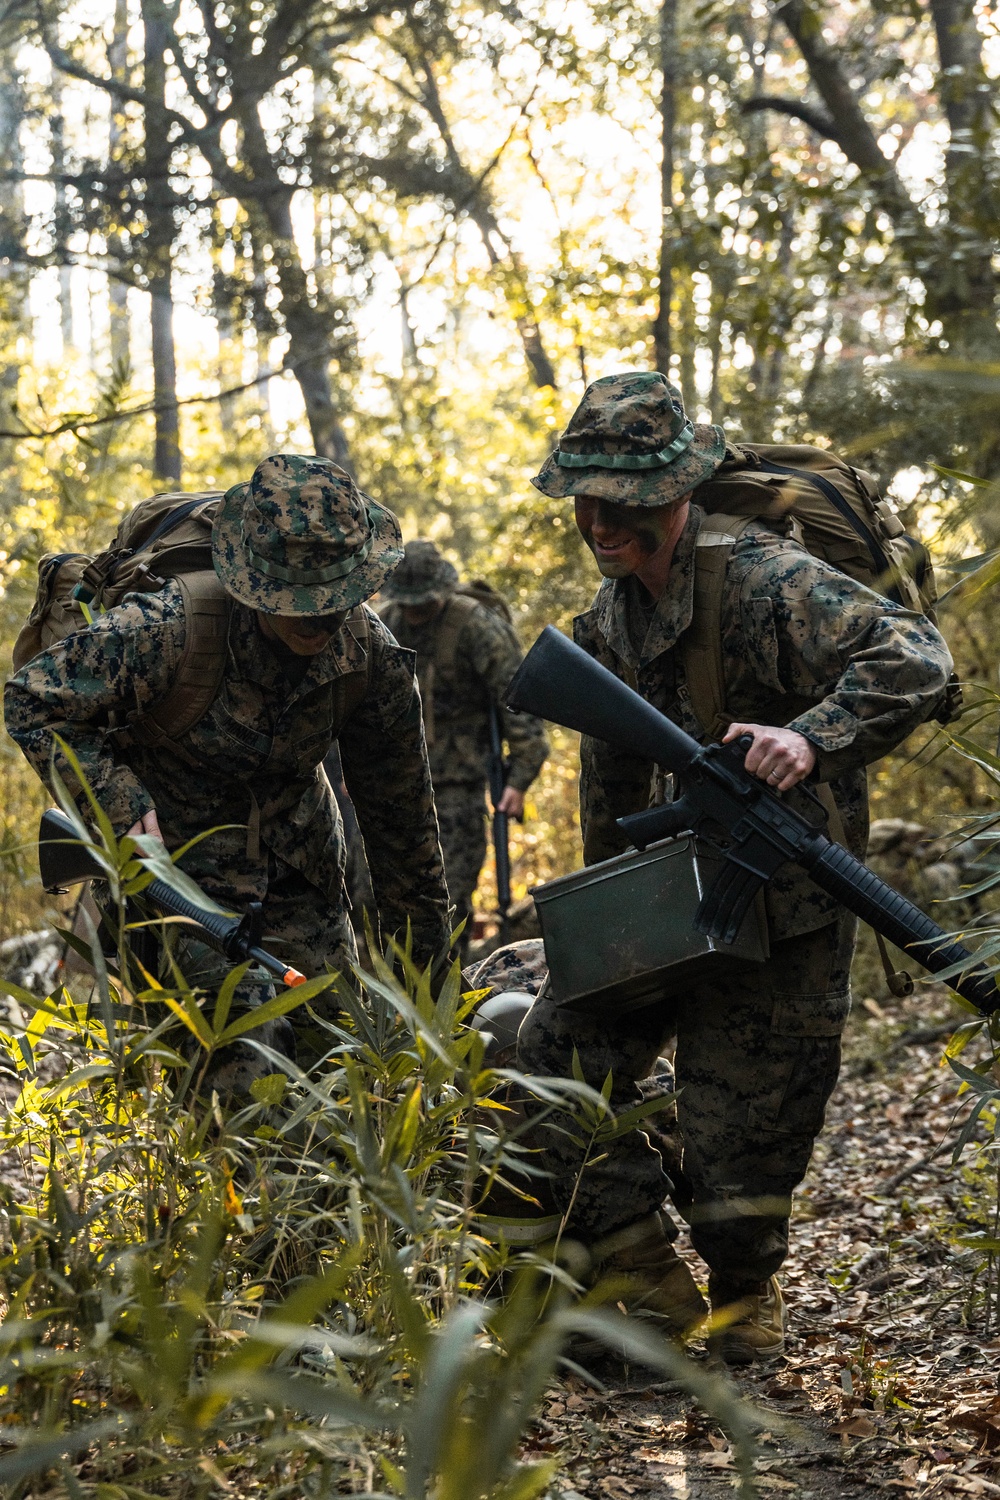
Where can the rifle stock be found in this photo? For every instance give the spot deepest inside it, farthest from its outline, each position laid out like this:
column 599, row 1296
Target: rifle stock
column 63, row 860
column 559, row 681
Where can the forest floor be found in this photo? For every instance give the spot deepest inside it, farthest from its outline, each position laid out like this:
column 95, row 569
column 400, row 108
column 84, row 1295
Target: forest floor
column 890, row 1381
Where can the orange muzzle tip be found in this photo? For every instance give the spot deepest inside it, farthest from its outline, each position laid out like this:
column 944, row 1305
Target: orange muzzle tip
column 292, row 977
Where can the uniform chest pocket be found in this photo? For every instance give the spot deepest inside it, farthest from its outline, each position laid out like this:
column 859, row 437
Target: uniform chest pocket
column 222, row 731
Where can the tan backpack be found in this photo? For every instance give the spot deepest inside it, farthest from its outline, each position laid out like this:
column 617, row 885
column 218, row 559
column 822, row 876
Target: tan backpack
column 167, row 536
column 835, row 511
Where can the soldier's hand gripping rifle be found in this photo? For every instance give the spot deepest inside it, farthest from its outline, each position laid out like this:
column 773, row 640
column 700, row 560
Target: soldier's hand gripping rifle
column 64, row 860
column 760, row 832
column 501, row 822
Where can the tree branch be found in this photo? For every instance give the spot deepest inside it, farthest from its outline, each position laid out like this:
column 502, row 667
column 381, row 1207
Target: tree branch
column 796, row 110
column 79, row 423
column 854, row 135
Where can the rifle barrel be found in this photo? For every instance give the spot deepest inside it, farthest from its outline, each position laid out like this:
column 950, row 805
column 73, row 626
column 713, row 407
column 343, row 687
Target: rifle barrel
column 65, row 860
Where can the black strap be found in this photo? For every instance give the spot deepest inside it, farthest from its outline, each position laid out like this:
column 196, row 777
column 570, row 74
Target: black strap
column 170, row 521
column 836, row 499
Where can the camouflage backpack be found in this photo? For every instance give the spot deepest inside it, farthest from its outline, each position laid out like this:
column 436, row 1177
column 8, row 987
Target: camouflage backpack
column 834, row 510
column 168, row 536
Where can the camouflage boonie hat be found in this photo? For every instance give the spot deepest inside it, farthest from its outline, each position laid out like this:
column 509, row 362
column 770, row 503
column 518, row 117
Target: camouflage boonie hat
column 301, row 539
column 423, row 575
column 630, row 441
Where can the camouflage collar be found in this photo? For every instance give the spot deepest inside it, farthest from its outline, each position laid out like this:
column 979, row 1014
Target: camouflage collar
column 256, row 662
column 618, row 609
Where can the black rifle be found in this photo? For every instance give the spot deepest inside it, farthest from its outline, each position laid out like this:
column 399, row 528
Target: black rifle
column 559, row 681
column 501, row 822
column 64, row 860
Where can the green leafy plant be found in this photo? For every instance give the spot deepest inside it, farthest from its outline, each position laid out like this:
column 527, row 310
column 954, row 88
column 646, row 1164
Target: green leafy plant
column 288, row 1289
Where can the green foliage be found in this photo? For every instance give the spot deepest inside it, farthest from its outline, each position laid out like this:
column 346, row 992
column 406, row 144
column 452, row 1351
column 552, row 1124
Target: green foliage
column 288, row 1289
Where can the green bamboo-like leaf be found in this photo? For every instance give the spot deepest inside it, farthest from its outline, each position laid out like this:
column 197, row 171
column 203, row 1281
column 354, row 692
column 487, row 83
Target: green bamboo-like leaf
column 629, row 1118
column 976, row 1081
column 960, row 1039
column 312, row 1397
column 101, row 818
column 436, row 1409
column 273, row 1334
column 154, row 857
column 528, row 1481
column 224, row 1001
column 291, row 999
column 975, row 479
column 269, row 1090
column 33, row 1454
column 187, row 1011
column 80, row 1078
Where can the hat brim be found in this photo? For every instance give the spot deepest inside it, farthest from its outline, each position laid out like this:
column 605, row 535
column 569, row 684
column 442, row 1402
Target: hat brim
column 416, row 597
column 272, row 596
column 639, row 487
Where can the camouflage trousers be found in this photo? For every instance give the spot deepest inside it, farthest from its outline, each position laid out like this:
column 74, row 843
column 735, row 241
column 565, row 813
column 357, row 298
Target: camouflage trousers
column 757, row 1056
column 461, row 811
column 301, row 927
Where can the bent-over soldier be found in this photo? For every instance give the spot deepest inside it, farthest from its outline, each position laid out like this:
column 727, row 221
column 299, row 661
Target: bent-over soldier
column 467, row 653
column 296, row 551
column 825, row 676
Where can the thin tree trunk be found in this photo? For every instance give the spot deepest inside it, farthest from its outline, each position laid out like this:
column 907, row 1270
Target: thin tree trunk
column 308, row 343
column 668, row 111
column 159, row 236
column 62, row 226
column 13, row 278
column 121, row 356
column 476, row 199
column 687, row 341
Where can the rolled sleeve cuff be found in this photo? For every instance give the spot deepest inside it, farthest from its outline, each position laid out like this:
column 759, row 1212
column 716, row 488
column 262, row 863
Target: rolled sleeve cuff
column 124, row 799
column 828, row 726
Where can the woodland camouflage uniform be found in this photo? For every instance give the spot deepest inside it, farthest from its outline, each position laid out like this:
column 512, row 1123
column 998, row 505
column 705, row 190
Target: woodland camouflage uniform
column 254, row 759
column 757, row 1054
column 463, row 664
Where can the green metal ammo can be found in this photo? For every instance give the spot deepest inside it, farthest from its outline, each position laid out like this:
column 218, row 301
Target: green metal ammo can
column 622, row 932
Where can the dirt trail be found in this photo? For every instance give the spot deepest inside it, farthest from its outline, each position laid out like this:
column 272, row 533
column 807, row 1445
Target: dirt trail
column 890, row 1382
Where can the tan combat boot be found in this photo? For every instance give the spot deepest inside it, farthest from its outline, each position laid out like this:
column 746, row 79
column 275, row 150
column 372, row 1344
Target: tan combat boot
column 747, row 1325
column 659, row 1284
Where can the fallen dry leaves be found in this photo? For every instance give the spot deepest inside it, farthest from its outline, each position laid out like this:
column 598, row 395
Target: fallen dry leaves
column 890, row 1382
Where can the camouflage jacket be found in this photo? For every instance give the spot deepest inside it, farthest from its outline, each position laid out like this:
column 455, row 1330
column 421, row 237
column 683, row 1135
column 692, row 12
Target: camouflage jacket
column 254, row 759
column 793, row 628
column 458, row 679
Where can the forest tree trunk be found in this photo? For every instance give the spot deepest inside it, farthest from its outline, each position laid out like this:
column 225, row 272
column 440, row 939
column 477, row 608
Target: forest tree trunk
column 308, row 341
column 668, row 109
column 121, row 354
column 159, row 239
column 13, row 273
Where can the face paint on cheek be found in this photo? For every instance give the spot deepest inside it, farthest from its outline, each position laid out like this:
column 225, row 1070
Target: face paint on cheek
column 647, row 540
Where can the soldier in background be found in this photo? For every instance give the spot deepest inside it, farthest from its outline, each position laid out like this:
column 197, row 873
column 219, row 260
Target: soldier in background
column 467, row 653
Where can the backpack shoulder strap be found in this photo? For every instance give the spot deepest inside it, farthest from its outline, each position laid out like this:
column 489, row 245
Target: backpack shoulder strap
column 355, row 684
column 207, row 611
column 458, row 611
column 700, row 646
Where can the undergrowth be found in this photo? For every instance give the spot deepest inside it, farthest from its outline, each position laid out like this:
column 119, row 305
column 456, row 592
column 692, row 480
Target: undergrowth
column 287, row 1293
